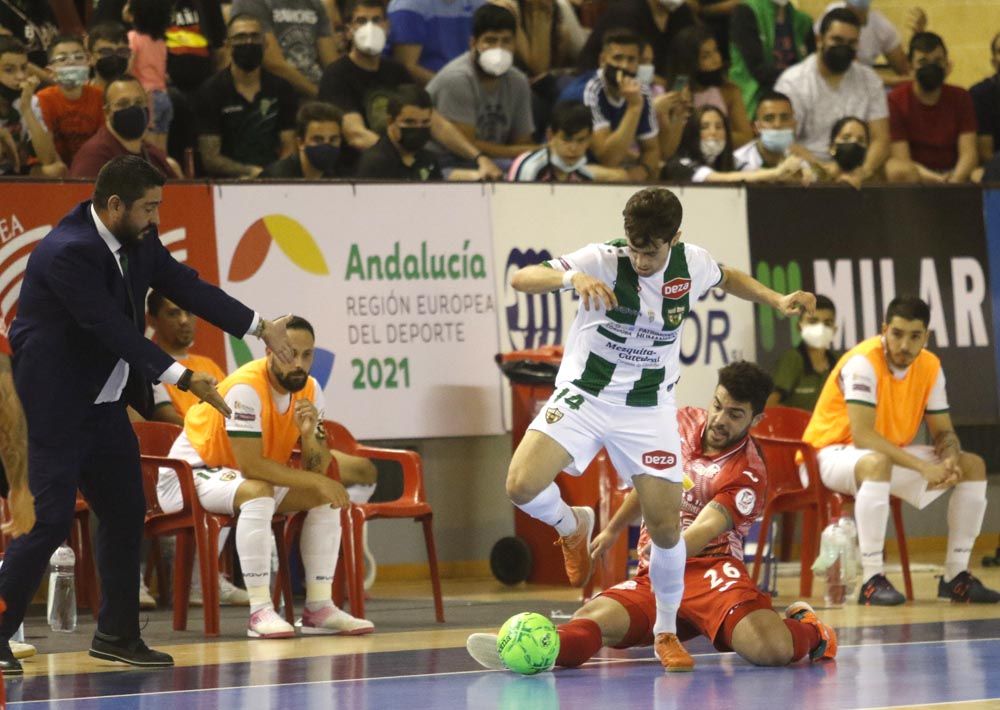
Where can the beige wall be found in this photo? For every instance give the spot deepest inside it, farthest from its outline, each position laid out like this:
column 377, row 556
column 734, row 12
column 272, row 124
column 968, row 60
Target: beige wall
column 966, row 25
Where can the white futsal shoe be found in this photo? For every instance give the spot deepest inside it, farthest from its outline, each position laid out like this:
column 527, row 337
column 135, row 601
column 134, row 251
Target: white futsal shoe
column 266, row 624
column 483, row 649
column 333, row 621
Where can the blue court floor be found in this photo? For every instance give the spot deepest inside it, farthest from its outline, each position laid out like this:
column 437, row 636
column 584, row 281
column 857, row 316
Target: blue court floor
column 881, row 666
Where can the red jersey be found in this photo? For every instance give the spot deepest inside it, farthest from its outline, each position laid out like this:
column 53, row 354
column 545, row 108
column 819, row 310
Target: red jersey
column 4, row 343
column 735, row 479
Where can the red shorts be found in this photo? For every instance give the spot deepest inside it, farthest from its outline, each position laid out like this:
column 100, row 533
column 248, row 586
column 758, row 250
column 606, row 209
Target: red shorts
column 718, row 593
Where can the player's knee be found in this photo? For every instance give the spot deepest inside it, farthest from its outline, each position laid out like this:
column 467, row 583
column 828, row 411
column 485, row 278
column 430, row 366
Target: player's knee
column 665, row 534
column 520, row 490
column 763, row 641
column 873, row 467
column 252, row 488
column 973, row 467
column 359, row 473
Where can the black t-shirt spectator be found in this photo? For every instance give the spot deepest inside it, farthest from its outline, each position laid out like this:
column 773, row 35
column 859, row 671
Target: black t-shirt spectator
column 635, row 15
column 189, row 61
column 356, row 90
column 986, row 99
column 290, row 167
column 383, row 162
column 32, row 22
column 249, row 130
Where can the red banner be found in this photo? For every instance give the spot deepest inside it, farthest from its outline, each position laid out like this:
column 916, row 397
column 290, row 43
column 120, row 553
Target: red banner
column 28, row 211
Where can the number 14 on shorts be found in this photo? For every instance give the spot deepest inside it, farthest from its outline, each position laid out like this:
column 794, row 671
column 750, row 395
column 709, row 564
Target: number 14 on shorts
column 574, row 402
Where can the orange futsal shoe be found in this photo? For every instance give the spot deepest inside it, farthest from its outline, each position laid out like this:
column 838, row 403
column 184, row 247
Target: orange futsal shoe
column 672, row 654
column 576, row 547
column 801, row 611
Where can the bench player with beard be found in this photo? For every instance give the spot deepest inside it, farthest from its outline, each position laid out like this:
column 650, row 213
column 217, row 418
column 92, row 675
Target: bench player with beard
column 616, row 384
column 726, row 484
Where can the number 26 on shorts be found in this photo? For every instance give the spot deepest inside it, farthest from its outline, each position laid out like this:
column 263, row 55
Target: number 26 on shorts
column 719, row 583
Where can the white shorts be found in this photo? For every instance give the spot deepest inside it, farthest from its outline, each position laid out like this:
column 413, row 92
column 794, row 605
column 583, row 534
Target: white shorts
column 639, row 440
column 836, row 470
column 216, row 488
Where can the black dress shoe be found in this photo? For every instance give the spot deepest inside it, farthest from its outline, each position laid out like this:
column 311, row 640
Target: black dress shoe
column 8, row 664
column 135, row 652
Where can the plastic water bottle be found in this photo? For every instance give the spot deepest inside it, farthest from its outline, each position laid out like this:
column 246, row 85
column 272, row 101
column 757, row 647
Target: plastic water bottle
column 852, row 554
column 832, row 548
column 62, row 590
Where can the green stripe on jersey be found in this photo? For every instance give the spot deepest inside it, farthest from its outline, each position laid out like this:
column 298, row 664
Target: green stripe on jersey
column 607, row 334
column 596, row 375
column 645, row 391
column 627, row 293
column 675, row 310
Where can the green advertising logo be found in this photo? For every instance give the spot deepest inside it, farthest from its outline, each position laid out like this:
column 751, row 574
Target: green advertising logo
column 783, row 279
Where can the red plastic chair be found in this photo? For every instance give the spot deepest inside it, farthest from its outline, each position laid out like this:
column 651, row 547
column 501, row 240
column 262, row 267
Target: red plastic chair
column 194, row 527
column 789, row 422
column 411, row 504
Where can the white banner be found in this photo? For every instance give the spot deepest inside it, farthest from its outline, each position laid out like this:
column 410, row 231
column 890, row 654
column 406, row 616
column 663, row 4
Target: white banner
column 398, row 282
column 535, row 222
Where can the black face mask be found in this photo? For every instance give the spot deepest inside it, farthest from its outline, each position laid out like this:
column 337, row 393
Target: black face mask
column 709, row 78
column 849, row 156
column 248, row 57
column 413, row 138
column 611, row 75
column 111, row 67
column 930, row 77
column 323, row 157
column 838, row 58
column 130, row 123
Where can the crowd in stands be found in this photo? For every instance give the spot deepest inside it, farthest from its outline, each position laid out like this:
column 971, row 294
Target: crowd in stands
column 524, row 90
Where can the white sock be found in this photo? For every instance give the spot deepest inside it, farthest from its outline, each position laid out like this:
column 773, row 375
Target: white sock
column 549, row 507
column 253, row 544
column 966, row 510
column 320, row 546
column 871, row 511
column 360, row 493
column 666, row 572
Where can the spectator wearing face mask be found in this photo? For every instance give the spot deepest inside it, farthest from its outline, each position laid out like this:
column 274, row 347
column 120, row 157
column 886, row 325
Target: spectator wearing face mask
column 829, row 85
column 483, row 94
column 361, row 82
column 427, row 34
column 986, row 99
column 849, row 140
column 880, row 38
column 775, row 125
column 657, row 21
column 564, row 156
column 126, row 120
column 25, row 144
column 765, row 38
column 401, row 152
column 72, row 108
column 697, row 64
column 706, row 155
column 246, row 114
column 317, row 145
column 623, row 110
column 801, row 372
column 110, row 56
column 932, row 124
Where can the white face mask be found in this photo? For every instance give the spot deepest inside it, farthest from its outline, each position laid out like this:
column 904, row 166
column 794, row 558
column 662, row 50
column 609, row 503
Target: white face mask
column 818, row 336
column 671, row 5
column 711, row 148
column 645, row 73
column 557, row 161
column 369, row 39
column 496, row 61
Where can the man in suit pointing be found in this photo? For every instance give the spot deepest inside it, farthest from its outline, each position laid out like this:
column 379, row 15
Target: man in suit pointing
column 79, row 358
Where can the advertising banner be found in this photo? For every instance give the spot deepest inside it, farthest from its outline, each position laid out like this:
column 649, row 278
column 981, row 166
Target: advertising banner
column 398, row 283
column 862, row 248
column 28, row 211
column 532, row 223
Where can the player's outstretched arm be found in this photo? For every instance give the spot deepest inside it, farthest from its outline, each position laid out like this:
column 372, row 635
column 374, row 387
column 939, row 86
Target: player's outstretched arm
column 745, row 286
column 712, row 521
column 540, row 278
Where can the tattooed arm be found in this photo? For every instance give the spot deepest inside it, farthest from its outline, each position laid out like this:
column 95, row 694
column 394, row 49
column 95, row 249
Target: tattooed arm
column 14, row 450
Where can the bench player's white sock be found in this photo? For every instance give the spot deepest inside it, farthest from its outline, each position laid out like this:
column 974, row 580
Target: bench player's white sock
column 320, row 546
column 666, row 572
column 965, row 519
column 360, row 493
column 253, row 544
column 549, row 507
column 871, row 510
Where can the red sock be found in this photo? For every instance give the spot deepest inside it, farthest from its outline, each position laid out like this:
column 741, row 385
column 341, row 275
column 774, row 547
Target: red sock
column 805, row 637
column 579, row 640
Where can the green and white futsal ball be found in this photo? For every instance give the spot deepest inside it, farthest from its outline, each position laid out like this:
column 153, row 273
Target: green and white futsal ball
column 528, row 643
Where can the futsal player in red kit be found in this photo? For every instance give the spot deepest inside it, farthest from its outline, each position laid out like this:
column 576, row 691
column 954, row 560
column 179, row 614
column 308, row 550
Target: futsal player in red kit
column 726, row 482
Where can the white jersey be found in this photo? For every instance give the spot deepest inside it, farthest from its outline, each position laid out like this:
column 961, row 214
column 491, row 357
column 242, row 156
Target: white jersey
column 631, row 354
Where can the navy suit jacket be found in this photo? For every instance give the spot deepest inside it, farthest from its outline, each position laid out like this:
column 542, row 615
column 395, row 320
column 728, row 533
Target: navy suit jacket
column 74, row 322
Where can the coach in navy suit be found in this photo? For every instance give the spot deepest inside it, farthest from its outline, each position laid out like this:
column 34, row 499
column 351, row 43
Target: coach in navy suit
column 79, row 358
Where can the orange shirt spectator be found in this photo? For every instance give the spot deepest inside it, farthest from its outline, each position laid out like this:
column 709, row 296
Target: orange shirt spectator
column 71, row 122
